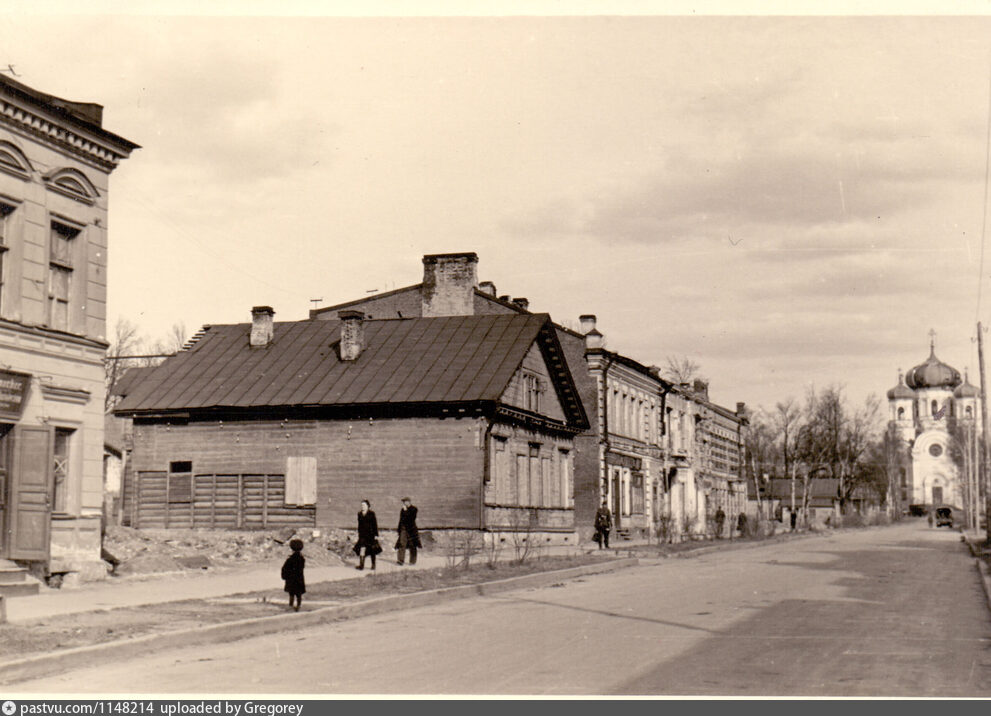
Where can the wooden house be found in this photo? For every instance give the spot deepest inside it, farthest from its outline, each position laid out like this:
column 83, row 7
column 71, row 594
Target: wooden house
column 268, row 424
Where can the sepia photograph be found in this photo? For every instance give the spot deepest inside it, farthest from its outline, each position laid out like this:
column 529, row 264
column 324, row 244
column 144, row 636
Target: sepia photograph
column 492, row 351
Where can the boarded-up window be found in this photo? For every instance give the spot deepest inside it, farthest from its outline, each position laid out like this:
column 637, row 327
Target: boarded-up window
column 522, row 480
column 535, row 487
column 301, row 481
column 567, row 486
column 500, row 471
column 180, row 482
column 552, row 487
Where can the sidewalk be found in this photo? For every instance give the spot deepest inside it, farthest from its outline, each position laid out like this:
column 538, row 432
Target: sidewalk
column 117, row 593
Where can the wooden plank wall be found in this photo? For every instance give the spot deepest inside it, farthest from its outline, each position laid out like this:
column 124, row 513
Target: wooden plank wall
column 219, row 501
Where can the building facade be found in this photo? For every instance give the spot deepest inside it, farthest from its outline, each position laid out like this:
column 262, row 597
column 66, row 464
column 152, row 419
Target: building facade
column 641, row 452
column 55, row 164
column 933, row 430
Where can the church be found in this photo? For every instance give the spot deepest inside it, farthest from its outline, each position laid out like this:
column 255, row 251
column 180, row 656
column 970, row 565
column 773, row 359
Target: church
column 933, row 421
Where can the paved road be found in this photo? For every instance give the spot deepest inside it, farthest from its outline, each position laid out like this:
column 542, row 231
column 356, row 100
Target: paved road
column 896, row 611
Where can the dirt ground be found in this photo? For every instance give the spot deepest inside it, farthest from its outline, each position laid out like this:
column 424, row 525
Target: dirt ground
column 156, row 551
column 86, row 628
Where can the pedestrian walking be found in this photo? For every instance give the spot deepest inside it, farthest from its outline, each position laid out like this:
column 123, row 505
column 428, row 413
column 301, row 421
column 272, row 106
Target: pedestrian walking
column 409, row 535
column 368, row 533
column 741, row 524
column 794, row 520
column 603, row 524
column 292, row 573
column 720, row 521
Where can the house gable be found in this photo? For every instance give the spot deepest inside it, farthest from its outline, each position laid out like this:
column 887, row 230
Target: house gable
column 532, row 387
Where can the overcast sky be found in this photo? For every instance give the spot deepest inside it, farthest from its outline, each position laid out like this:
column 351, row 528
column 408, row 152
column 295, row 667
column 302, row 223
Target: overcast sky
column 786, row 201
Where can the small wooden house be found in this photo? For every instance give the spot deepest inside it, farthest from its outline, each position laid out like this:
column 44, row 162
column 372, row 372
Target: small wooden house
column 269, row 424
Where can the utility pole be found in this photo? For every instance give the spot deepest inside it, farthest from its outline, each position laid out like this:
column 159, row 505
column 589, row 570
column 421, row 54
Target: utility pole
column 984, row 437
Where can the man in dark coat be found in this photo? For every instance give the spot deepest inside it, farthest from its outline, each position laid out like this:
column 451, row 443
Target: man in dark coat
column 603, row 524
column 720, row 521
column 368, row 532
column 409, row 535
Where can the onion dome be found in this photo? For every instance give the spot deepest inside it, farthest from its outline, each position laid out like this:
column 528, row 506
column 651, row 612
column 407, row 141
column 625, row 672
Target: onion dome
column 934, row 373
column 901, row 390
column 966, row 390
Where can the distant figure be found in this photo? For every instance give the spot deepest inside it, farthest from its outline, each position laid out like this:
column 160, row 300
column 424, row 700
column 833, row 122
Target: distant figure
column 292, row 573
column 741, row 524
column 720, row 521
column 930, row 518
column 409, row 535
column 368, row 532
column 794, row 520
column 603, row 524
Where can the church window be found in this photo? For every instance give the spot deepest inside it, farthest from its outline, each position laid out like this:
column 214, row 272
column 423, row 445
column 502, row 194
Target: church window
column 901, row 413
column 935, row 407
column 968, row 411
column 935, row 449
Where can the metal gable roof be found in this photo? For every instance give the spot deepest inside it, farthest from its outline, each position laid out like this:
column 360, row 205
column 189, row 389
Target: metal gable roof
column 414, row 360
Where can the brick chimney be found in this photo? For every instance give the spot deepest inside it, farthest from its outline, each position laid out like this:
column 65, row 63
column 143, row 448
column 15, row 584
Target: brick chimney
column 741, row 409
column 488, row 288
column 449, row 282
column 352, row 334
column 587, row 322
column 262, row 329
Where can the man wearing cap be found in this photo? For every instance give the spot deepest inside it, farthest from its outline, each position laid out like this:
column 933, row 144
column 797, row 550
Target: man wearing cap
column 409, row 536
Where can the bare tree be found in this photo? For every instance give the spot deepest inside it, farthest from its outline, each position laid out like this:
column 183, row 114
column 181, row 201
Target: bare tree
column 128, row 349
column 681, row 369
column 124, row 342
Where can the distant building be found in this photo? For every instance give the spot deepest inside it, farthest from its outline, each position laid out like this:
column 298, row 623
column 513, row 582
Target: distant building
column 933, row 426
column 55, row 163
column 292, row 424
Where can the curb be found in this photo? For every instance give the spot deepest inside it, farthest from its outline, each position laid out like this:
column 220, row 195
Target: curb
column 56, row 662
column 982, row 568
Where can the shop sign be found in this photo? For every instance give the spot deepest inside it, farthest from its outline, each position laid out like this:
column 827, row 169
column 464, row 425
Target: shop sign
column 13, row 393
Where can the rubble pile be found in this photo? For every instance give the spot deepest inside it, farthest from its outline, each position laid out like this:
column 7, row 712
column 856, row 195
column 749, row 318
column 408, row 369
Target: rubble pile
column 157, row 550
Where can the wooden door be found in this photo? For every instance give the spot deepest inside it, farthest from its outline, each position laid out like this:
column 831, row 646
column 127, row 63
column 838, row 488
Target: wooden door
column 30, row 515
column 937, row 495
column 5, row 457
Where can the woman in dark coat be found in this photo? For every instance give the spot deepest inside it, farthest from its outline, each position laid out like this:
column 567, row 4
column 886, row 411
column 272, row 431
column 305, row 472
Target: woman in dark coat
column 292, row 572
column 368, row 532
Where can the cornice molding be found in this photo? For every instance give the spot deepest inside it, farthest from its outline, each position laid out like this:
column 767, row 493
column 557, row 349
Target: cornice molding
column 100, row 154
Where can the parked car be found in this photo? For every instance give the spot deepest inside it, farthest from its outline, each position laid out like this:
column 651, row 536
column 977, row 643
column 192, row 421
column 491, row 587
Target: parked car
column 944, row 516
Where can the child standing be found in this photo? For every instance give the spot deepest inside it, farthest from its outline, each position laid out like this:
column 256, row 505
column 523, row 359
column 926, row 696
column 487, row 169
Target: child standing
column 292, row 572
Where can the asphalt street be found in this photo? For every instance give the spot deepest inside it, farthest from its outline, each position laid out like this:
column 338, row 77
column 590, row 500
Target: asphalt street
column 896, row 611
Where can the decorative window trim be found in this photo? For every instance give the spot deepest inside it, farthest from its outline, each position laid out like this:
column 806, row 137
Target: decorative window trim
column 14, row 162
column 73, row 184
column 64, row 394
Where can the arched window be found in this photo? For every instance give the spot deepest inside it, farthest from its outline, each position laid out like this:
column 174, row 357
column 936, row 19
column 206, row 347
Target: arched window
column 13, row 161
column 935, row 407
column 901, row 413
column 968, row 411
column 73, row 184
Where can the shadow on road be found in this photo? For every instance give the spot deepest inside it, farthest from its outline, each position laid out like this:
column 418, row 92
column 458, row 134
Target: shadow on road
column 912, row 622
